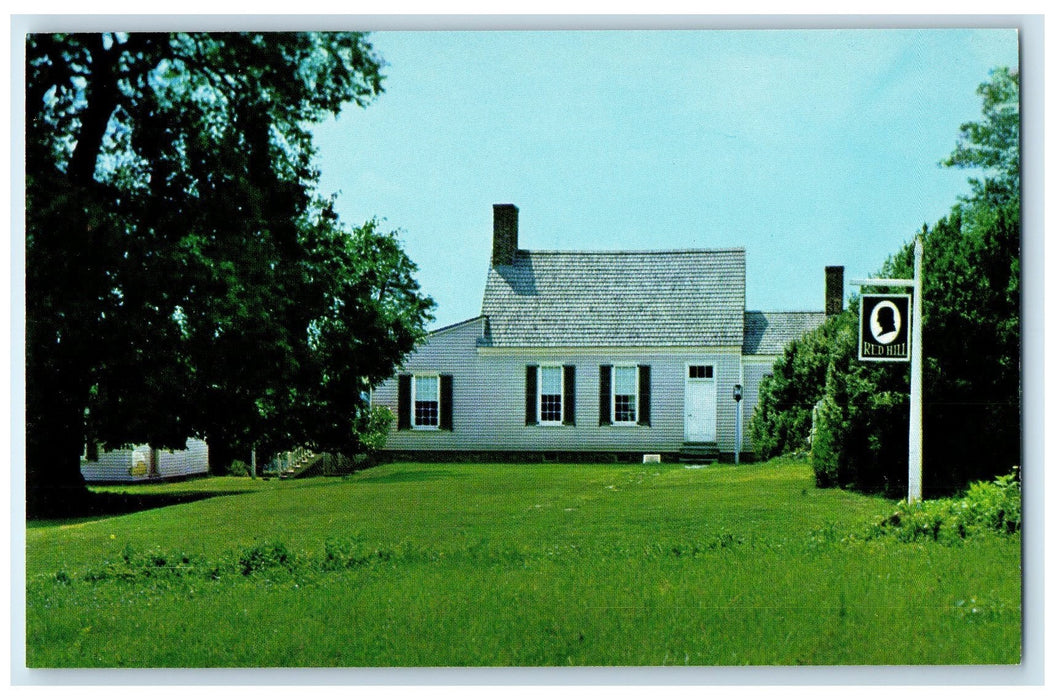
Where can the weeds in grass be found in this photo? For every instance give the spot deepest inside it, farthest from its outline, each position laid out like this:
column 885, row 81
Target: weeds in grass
column 344, row 554
column 140, row 565
column 986, row 508
column 266, row 557
column 826, row 536
column 723, row 566
column 272, row 557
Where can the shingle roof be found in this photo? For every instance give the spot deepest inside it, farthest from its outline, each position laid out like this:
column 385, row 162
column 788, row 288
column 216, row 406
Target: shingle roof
column 628, row 299
column 767, row 332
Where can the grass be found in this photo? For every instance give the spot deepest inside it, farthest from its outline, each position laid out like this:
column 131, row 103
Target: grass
column 522, row 565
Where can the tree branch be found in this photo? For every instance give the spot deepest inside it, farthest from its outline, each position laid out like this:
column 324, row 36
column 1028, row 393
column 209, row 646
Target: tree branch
column 101, row 97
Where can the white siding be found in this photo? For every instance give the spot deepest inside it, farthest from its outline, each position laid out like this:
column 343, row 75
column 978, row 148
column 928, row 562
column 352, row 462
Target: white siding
column 488, row 397
column 189, row 462
column 111, row 466
column 120, row 465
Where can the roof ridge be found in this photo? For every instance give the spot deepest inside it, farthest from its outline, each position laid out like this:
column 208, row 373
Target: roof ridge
column 452, row 326
column 647, row 251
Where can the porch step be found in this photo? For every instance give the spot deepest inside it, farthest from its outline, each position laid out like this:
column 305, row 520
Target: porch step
column 698, row 453
column 306, row 462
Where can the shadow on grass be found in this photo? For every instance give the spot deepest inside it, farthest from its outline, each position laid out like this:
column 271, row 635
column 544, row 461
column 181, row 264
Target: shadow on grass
column 95, row 506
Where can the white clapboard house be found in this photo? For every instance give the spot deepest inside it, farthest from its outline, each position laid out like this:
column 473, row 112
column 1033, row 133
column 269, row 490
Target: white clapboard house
column 587, row 355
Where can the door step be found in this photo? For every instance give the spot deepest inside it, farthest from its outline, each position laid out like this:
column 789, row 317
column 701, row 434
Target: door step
column 698, row 453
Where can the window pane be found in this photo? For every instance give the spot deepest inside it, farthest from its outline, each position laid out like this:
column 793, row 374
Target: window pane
column 550, row 380
column 625, row 393
column 624, row 408
column 625, row 380
column 551, row 407
column 427, row 401
column 426, row 413
column 428, row 388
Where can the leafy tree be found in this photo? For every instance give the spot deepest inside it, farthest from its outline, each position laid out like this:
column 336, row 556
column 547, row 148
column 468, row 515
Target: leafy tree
column 971, row 344
column 993, row 144
column 783, row 417
column 183, row 275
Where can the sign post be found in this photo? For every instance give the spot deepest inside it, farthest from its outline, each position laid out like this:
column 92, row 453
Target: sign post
column 738, row 394
column 892, row 332
column 915, row 421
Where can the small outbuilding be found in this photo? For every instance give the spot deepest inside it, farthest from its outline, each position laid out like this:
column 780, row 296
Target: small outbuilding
column 143, row 463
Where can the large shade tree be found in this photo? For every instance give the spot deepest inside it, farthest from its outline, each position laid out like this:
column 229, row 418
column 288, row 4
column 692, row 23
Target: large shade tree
column 183, row 275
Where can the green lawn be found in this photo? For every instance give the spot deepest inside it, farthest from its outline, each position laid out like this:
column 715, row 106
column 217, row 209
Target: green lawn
column 525, row 565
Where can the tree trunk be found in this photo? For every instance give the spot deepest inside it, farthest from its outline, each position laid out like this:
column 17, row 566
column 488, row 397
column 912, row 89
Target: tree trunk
column 60, row 327
column 54, row 441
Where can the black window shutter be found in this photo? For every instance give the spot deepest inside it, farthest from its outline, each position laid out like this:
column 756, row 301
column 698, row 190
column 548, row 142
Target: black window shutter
column 531, row 395
column 605, row 412
column 403, row 409
column 446, row 402
column 569, row 394
column 644, row 399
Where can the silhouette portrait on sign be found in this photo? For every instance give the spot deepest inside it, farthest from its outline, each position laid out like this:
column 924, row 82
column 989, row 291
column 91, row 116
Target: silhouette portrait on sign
column 885, row 322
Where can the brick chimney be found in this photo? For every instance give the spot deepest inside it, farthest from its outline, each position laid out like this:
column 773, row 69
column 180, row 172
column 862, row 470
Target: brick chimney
column 505, row 244
column 833, row 290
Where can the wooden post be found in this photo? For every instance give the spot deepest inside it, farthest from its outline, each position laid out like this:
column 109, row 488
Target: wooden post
column 252, row 462
column 915, row 428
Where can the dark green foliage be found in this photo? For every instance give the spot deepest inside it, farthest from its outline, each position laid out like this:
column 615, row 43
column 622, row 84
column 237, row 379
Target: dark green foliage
column 153, row 564
column 266, row 557
column 971, row 348
column 238, row 468
column 183, row 275
column 971, row 373
column 344, row 554
column 783, row 418
column 986, row 507
column 971, row 345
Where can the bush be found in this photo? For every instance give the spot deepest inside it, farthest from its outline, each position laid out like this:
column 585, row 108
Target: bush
column 986, row 507
column 782, row 421
column 971, row 416
column 238, row 468
column 997, row 505
column 266, row 556
column 374, row 431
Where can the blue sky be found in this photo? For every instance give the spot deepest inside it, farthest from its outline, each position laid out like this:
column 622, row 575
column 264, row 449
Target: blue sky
column 805, row 147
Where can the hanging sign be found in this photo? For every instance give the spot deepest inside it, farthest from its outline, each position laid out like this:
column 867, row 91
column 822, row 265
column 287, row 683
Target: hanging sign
column 885, row 324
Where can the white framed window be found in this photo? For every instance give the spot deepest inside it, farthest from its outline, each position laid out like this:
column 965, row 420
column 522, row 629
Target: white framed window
column 701, row 371
column 425, row 398
column 625, row 394
column 550, row 395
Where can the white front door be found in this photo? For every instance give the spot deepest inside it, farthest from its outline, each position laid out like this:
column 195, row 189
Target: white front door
column 700, row 406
